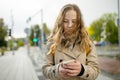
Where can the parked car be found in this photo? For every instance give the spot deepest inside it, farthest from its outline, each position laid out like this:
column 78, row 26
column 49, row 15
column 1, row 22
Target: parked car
column 101, row 43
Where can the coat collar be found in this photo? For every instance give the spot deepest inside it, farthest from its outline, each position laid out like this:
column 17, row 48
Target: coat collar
column 74, row 54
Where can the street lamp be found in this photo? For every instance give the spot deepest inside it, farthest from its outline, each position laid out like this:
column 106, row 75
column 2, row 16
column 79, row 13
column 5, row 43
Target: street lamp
column 119, row 24
column 42, row 30
column 11, row 32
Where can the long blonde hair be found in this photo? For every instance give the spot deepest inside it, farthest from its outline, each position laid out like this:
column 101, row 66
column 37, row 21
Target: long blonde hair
column 81, row 34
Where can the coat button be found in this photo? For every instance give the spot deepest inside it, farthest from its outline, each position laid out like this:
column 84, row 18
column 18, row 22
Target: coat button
column 53, row 71
column 87, row 75
column 60, row 60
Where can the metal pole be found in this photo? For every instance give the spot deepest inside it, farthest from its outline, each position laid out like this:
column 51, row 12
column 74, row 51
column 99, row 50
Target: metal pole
column 28, row 46
column 12, row 24
column 42, row 30
column 27, row 37
column 119, row 24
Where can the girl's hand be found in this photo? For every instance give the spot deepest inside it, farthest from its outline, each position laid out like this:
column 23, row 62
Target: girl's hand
column 72, row 69
column 62, row 71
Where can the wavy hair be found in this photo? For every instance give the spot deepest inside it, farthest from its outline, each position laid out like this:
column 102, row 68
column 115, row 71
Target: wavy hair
column 81, row 35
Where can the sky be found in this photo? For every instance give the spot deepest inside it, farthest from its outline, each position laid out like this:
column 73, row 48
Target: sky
column 21, row 10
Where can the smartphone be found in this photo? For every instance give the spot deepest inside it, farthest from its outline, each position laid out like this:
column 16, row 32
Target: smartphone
column 70, row 61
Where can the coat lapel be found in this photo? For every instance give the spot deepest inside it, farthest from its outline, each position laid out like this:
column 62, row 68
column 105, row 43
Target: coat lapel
column 67, row 53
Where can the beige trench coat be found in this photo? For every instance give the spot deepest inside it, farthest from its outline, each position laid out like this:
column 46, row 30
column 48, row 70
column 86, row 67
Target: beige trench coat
column 89, row 62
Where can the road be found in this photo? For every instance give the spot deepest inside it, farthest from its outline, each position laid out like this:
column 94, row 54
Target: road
column 17, row 66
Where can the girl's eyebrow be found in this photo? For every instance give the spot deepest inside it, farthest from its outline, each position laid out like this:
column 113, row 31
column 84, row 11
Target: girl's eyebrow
column 68, row 19
column 74, row 19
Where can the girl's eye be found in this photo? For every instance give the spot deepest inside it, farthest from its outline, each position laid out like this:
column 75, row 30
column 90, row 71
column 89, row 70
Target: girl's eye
column 65, row 21
column 73, row 21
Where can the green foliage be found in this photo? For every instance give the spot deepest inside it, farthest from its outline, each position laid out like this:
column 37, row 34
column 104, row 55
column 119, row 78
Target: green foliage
column 20, row 42
column 3, row 43
column 106, row 24
column 31, row 36
column 46, row 31
column 31, row 42
column 35, row 33
column 95, row 30
column 109, row 16
column 12, row 45
column 111, row 32
column 3, row 33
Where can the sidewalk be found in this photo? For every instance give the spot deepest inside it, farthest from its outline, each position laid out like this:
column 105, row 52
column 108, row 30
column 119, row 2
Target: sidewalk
column 110, row 65
column 108, row 62
column 17, row 66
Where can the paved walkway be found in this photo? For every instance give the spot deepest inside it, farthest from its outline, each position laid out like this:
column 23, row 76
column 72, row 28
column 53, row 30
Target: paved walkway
column 110, row 65
column 17, row 67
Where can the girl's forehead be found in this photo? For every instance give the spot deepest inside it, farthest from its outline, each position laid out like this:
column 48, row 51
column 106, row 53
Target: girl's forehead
column 71, row 14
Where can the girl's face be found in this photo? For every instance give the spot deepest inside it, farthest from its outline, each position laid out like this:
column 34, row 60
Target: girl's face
column 70, row 22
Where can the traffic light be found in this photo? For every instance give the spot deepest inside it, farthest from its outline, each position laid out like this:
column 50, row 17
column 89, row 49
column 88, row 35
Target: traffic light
column 9, row 32
column 35, row 40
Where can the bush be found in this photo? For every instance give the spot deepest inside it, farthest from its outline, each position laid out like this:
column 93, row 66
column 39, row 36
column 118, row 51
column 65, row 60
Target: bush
column 20, row 43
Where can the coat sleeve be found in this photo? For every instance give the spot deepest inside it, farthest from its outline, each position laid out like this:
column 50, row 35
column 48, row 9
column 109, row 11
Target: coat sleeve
column 91, row 67
column 49, row 69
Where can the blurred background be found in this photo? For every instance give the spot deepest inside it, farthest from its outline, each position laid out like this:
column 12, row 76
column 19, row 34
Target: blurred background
column 26, row 24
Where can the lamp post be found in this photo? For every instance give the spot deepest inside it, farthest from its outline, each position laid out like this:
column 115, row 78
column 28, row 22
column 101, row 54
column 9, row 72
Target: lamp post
column 11, row 30
column 42, row 31
column 27, row 31
column 119, row 24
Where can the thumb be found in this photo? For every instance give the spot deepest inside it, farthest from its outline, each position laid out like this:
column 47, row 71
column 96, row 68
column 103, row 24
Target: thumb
column 75, row 61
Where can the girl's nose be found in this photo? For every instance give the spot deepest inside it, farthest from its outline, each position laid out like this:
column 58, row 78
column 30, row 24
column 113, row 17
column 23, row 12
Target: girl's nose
column 70, row 24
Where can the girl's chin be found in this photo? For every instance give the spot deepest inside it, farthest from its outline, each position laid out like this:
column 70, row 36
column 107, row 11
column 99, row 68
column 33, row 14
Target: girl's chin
column 68, row 33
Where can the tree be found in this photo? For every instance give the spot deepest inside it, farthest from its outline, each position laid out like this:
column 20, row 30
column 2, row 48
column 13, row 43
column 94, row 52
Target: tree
column 35, row 34
column 95, row 30
column 105, row 23
column 111, row 29
column 111, row 32
column 3, row 33
column 46, row 31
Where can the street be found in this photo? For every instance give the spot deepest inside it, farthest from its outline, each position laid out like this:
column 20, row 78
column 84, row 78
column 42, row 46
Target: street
column 17, row 66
